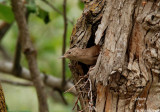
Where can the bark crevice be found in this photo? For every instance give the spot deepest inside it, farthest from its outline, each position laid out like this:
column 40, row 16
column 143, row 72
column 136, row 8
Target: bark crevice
column 129, row 61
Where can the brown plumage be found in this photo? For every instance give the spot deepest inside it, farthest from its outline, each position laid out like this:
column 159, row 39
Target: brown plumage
column 87, row 56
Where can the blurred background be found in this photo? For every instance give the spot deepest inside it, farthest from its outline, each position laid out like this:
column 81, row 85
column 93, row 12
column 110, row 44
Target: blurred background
column 46, row 28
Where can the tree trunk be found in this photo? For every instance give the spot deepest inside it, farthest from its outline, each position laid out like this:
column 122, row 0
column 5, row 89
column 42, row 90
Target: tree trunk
column 2, row 101
column 126, row 75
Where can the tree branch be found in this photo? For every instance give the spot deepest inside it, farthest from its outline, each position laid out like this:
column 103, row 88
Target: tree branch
column 15, row 83
column 17, row 58
column 61, row 95
column 30, row 53
column 3, row 29
column 64, row 43
column 58, row 11
column 49, row 80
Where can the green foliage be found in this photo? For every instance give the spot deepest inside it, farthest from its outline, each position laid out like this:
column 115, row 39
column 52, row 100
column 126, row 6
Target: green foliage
column 6, row 13
column 31, row 6
column 80, row 4
column 43, row 15
column 47, row 39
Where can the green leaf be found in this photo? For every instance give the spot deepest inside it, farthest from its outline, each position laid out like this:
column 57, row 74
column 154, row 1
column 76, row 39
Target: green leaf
column 6, row 13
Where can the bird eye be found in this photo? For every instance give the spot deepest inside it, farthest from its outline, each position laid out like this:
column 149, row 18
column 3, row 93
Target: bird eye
column 69, row 52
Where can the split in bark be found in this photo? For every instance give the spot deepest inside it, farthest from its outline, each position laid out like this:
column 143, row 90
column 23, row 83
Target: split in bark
column 126, row 75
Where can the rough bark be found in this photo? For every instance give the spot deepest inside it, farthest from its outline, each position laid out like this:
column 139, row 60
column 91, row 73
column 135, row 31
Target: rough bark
column 2, row 101
column 126, row 75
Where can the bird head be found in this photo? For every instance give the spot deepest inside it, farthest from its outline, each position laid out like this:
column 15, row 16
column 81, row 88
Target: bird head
column 71, row 54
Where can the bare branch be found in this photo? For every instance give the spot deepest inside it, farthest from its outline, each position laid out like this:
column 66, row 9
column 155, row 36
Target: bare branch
column 3, row 29
column 58, row 11
column 15, row 83
column 17, row 58
column 30, row 53
column 64, row 43
column 49, row 80
column 63, row 98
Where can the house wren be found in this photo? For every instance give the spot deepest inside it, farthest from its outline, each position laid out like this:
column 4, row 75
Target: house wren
column 87, row 56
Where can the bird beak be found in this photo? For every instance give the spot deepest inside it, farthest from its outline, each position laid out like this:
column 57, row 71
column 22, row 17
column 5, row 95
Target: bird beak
column 62, row 57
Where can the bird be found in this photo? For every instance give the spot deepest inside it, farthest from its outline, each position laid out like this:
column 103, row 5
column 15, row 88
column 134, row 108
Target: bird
column 86, row 56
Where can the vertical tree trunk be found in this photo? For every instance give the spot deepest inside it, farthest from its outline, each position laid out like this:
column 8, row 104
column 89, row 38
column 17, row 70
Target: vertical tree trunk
column 126, row 75
column 2, row 101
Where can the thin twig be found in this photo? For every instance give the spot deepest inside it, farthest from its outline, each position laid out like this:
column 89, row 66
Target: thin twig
column 76, row 103
column 58, row 11
column 75, row 84
column 90, row 94
column 30, row 53
column 61, row 94
column 64, row 43
column 15, row 83
column 83, row 85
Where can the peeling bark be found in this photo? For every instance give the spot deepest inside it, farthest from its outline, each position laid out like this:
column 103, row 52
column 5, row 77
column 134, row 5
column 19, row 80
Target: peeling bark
column 126, row 75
